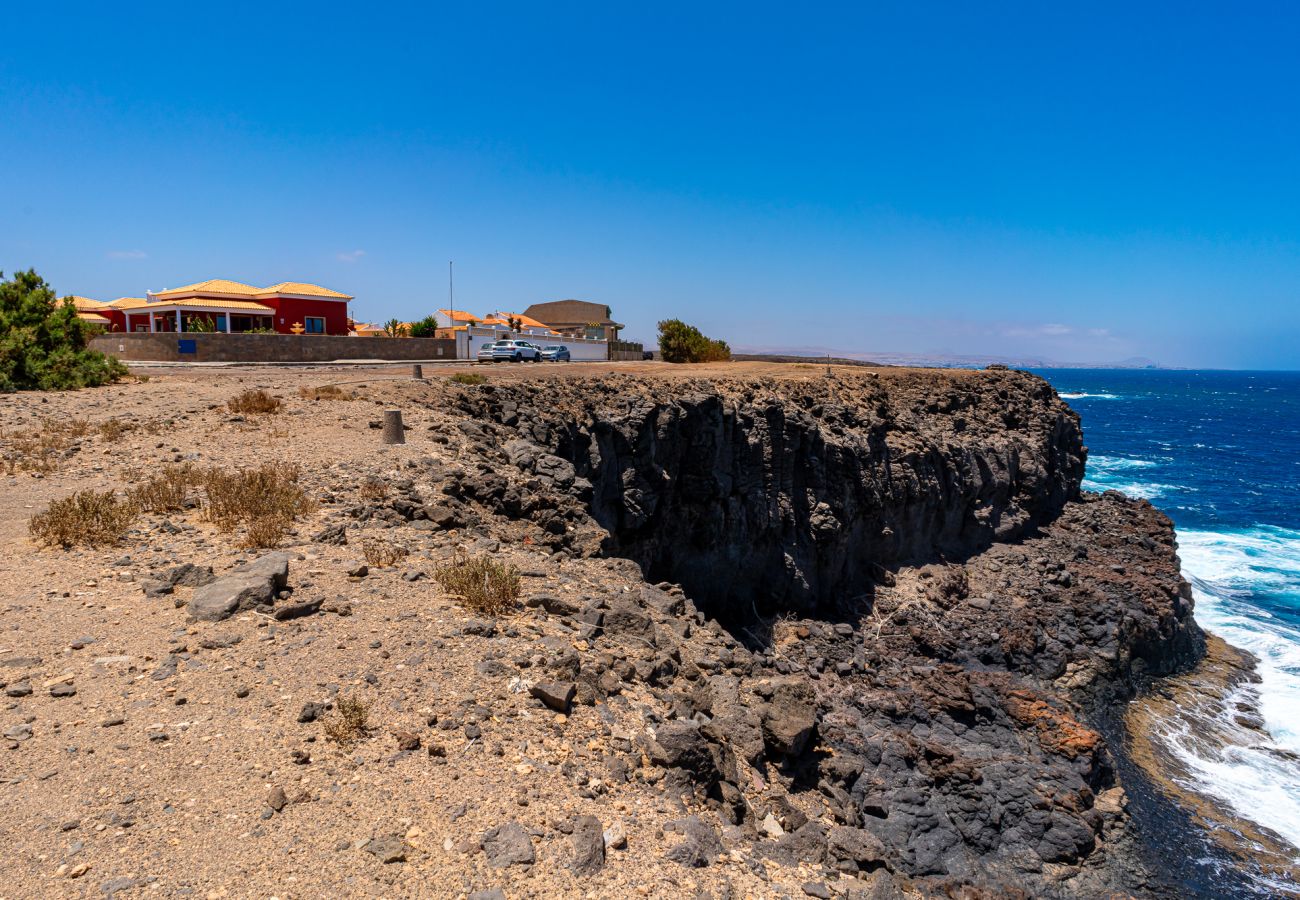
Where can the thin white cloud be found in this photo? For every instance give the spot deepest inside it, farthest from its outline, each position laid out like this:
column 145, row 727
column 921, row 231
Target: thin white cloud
column 351, row 256
column 1055, row 329
column 126, row 254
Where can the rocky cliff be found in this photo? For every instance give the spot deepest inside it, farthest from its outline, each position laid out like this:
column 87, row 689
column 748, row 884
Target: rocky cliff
column 887, row 621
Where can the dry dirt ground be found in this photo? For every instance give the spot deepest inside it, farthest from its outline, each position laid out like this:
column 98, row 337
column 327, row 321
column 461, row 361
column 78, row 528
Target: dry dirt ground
column 143, row 753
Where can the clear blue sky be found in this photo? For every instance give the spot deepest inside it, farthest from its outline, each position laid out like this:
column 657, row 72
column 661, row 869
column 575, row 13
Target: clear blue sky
column 1079, row 183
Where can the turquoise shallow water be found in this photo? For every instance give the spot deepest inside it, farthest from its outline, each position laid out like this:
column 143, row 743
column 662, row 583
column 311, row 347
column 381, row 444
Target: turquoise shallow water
column 1219, row 452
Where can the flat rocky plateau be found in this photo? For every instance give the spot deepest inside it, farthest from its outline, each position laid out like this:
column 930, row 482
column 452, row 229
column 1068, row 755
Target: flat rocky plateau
column 780, row 634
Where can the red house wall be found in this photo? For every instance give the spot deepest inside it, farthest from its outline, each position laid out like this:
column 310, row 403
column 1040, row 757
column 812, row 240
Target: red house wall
column 288, row 311
column 116, row 318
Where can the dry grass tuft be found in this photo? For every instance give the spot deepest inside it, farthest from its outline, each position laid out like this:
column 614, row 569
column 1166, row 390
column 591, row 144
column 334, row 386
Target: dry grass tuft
column 166, row 491
column 481, row 583
column 92, row 518
column 38, row 450
column 265, row 500
column 383, row 554
column 373, row 489
column 254, row 402
column 469, row 378
column 324, row 392
column 350, row 723
column 114, row 430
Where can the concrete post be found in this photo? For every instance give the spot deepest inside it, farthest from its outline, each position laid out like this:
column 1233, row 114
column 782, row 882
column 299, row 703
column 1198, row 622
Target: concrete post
column 417, row 372
column 394, row 433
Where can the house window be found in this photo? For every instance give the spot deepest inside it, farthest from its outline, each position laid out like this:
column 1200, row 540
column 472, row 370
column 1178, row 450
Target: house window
column 314, row 324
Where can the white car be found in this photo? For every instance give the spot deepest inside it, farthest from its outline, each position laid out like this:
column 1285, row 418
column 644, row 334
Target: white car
column 518, row 351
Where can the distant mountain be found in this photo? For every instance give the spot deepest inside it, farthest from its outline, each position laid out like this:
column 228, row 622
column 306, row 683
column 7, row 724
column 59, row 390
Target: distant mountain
column 943, row 360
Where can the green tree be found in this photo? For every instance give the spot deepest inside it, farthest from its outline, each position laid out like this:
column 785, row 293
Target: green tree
column 426, row 327
column 682, row 343
column 202, row 325
column 394, row 328
column 43, row 343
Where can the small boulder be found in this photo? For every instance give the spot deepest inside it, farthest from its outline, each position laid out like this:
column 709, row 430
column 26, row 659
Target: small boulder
column 588, row 839
column 251, row 585
column 700, row 844
column 336, row 535
column 555, row 695
column 789, row 716
column 508, row 845
column 388, row 848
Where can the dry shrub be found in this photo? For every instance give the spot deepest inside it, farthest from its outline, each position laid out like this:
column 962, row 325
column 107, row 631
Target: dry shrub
column 254, row 402
column 482, row 584
column 92, row 518
column 350, row 723
column 469, row 378
column 373, row 489
column 113, row 430
column 383, row 554
column 267, row 531
column 165, row 491
column 265, row 500
column 324, row 392
column 39, row 450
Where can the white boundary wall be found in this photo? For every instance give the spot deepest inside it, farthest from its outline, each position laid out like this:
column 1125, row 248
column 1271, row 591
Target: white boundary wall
column 471, row 339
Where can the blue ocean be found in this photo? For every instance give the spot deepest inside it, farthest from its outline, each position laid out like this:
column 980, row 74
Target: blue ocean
column 1219, row 453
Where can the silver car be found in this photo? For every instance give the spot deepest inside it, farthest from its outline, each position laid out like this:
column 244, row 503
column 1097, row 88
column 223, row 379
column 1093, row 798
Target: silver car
column 556, row 353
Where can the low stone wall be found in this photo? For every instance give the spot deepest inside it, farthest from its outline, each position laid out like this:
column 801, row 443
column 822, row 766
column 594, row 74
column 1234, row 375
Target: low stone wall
column 625, row 350
column 252, row 348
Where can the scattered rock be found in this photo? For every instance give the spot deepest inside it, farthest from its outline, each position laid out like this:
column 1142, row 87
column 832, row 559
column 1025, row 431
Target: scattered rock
column 250, row 586
column 700, row 844
column 20, row 732
column 276, row 799
column 388, row 848
column 337, row 535
column 508, row 845
column 555, row 695
column 588, row 839
column 311, row 711
column 615, row 836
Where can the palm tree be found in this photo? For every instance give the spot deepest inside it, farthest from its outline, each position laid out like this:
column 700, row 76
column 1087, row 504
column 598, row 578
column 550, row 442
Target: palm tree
column 394, row 328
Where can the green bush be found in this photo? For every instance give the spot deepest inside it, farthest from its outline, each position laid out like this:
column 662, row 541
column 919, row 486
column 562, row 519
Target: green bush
column 43, row 343
column 426, row 327
column 682, row 343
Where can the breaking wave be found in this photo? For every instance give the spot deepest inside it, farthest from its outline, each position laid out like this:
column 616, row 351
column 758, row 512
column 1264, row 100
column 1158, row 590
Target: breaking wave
column 1247, row 589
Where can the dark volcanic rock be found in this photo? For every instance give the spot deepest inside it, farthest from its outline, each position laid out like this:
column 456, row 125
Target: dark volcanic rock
column 507, row 845
column 700, row 844
column 895, row 605
column 252, row 585
column 588, row 841
column 556, row 695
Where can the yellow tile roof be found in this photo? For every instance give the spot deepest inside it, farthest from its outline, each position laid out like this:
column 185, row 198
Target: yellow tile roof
column 92, row 317
column 209, row 303
column 524, row 321
column 460, row 315
column 128, row 303
column 84, row 302
column 302, row 287
column 211, row 286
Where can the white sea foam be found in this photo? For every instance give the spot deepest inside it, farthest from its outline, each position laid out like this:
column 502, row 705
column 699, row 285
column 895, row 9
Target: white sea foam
column 1229, row 572
column 1116, row 473
column 1082, row 395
